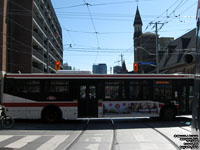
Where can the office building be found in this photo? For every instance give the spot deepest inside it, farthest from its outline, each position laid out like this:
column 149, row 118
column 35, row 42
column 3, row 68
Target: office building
column 99, row 69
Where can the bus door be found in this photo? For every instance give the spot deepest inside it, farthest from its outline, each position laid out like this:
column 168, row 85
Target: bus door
column 87, row 103
column 186, row 99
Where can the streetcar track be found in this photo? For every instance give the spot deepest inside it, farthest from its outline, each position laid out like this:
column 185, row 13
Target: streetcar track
column 178, row 124
column 114, row 140
column 78, row 136
column 163, row 135
column 185, row 129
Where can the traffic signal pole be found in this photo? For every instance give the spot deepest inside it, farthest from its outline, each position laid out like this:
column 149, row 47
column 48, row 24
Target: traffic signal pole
column 157, row 69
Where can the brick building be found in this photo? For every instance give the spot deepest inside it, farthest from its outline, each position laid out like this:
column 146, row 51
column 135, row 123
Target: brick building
column 31, row 36
column 145, row 46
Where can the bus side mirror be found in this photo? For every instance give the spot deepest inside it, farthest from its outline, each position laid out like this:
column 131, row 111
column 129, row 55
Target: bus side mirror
column 188, row 58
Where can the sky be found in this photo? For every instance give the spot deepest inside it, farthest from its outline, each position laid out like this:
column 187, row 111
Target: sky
column 101, row 31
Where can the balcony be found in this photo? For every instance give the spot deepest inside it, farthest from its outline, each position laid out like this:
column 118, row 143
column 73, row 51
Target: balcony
column 38, row 55
column 38, row 38
column 38, row 21
column 36, row 70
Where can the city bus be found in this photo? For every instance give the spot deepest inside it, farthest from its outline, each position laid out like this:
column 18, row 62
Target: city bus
column 52, row 97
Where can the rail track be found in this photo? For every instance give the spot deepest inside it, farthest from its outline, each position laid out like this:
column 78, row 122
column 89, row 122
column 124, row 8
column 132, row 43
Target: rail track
column 176, row 146
column 75, row 140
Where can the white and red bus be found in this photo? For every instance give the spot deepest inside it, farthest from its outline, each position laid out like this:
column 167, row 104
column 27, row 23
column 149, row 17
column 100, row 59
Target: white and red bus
column 52, row 97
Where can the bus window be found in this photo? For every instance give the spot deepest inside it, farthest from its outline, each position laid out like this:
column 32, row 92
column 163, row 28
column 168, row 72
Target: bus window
column 139, row 90
column 83, row 92
column 59, row 86
column 114, row 90
column 162, row 91
column 26, row 87
column 191, row 96
column 134, row 90
column 58, row 90
column 183, row 102
column 31, row 86
column 92, row 92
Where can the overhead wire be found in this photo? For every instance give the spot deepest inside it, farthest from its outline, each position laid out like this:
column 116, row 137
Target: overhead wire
column 113, row 3
column 185, row 10
column 95, row 51
column 180, row 4
column 70, row 36
column 104, row 14
column 162, row 13
column 92, row 22
column 100, row 4
column 168, row 15
column 73, row 6
column 87, row 32
column 96, row 33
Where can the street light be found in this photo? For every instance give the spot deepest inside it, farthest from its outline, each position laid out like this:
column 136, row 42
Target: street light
column 157, row 69
column 145, row 50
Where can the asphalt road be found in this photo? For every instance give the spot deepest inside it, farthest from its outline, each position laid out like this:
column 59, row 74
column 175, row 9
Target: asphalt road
column 96, row 134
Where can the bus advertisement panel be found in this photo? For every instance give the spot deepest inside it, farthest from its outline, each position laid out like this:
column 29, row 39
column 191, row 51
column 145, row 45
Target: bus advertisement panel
column 132, row 108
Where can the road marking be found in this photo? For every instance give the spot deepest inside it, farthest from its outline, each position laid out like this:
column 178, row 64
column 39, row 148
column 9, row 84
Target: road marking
column 93, row 147
column 5, row 137
column 97, row 139
column 54, row 142
column 22, row 142
column 93, row 139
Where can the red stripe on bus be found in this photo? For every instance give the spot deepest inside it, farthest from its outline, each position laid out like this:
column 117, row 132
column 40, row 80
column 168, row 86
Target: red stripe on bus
column 39, row 104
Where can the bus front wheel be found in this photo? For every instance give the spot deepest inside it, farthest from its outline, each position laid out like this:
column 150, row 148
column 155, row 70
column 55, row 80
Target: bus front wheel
column 51, row 114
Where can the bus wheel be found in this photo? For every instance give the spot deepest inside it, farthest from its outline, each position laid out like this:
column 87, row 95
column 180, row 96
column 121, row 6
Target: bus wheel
column 168, row 114
column 51, row 114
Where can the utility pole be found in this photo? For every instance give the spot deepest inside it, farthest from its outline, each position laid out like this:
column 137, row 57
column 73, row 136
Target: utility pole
column 156, row 31
column 3, row 26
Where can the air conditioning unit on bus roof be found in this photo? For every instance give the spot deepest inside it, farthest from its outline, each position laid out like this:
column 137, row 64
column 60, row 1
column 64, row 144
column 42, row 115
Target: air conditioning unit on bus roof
column 72, row 72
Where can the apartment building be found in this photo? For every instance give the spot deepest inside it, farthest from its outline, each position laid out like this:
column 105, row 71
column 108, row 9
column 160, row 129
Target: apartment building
column 34, row 37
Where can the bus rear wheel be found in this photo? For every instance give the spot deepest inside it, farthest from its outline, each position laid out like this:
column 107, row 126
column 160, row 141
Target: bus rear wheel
column 51, row 115
column 168, row 114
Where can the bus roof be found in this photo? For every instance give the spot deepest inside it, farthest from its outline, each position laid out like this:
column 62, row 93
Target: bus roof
column 99, row 76
column 72, row 72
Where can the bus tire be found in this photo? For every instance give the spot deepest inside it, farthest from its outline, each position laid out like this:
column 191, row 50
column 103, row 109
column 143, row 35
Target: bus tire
column 168, row 114
column 51, row 114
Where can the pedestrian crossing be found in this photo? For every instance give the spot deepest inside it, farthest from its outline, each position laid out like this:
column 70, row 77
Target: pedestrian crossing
column 4, row 137
column 53, row 143
column 88, row 141
column 22, row 142
column 36, row 142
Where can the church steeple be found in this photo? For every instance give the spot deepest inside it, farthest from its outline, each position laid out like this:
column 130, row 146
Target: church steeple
column 137, row 24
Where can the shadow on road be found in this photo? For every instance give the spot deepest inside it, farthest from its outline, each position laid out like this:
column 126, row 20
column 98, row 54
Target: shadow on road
column 100, row 124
